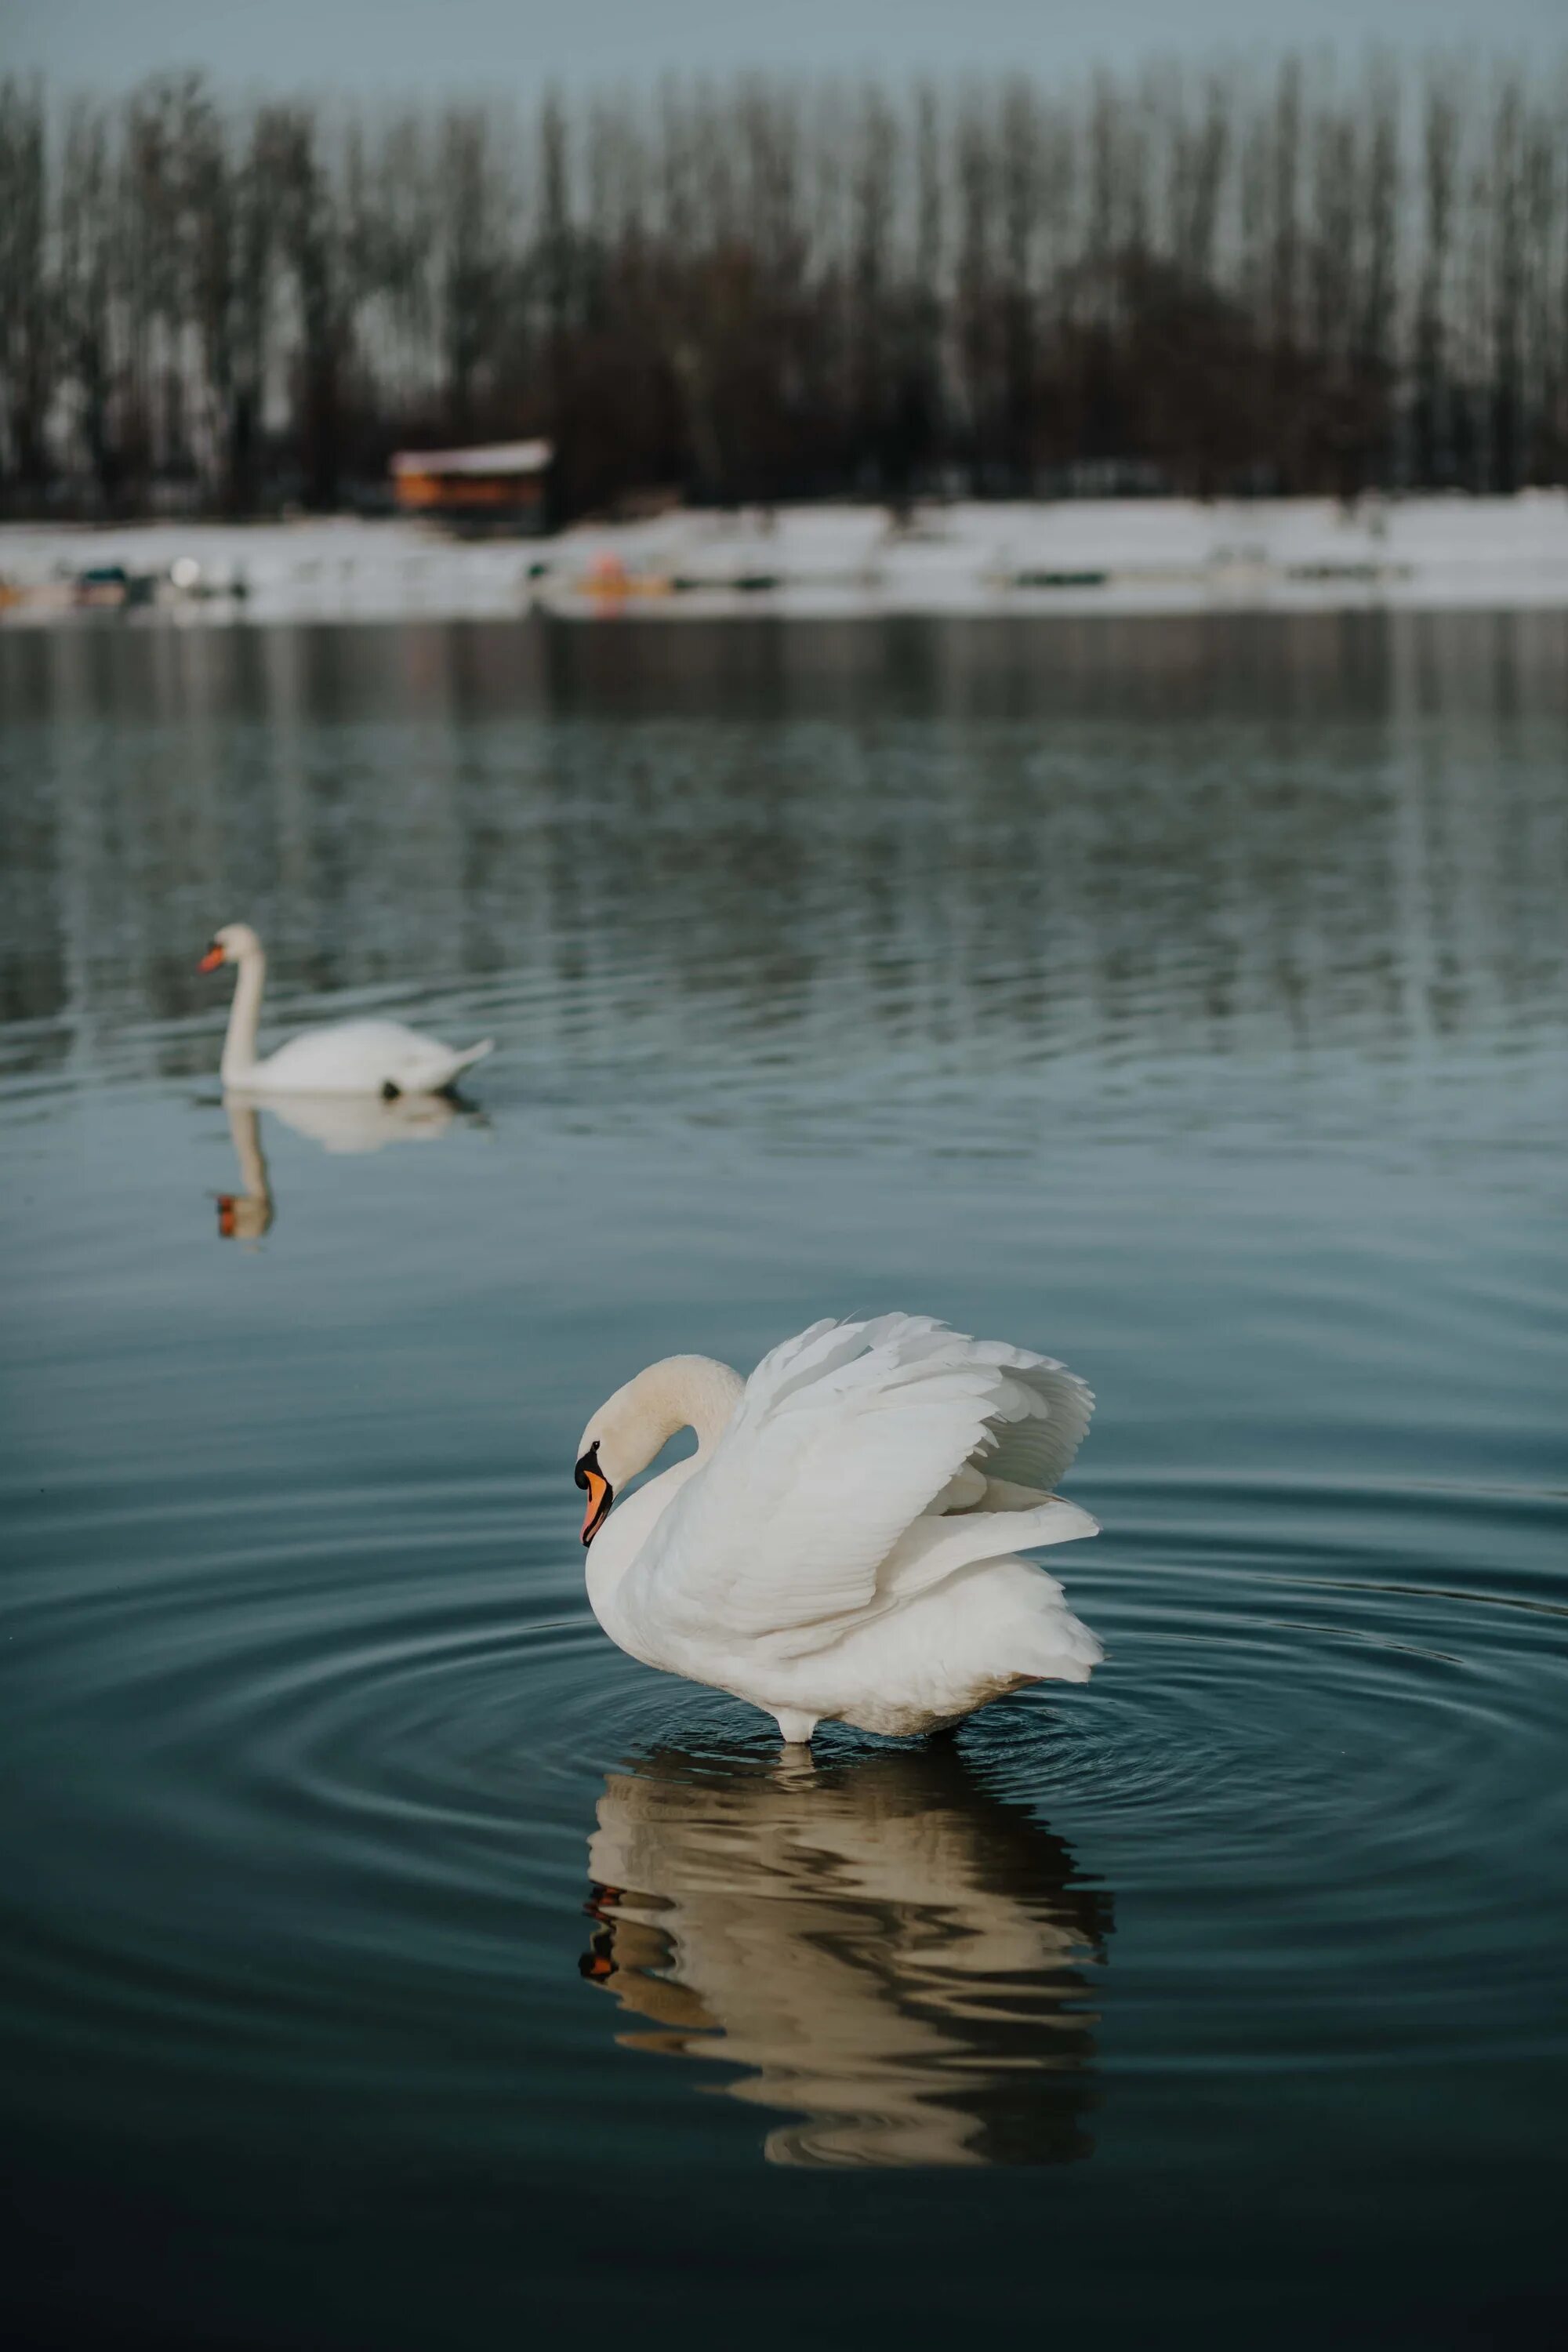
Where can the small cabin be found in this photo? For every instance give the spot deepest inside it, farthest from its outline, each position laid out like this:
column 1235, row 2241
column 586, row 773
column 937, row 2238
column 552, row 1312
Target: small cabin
column 499, row 486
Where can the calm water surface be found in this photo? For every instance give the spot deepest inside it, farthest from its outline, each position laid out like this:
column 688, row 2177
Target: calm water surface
column 384, row 1959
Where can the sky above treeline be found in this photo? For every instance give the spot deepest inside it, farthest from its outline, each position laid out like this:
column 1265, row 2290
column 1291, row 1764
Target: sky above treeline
column 522, row 45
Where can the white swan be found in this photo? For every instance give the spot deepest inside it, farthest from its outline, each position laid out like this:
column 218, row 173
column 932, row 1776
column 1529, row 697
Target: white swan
column 841, row 1547
column 352, row 1057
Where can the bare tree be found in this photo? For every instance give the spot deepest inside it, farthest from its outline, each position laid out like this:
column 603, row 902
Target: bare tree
column 1291, row 279
column 1433, row 455
column 27, row 320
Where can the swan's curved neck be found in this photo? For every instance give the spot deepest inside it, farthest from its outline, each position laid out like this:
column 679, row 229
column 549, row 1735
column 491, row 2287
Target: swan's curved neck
column 243, row 1020
column 632, row 1426
column 693, row 1392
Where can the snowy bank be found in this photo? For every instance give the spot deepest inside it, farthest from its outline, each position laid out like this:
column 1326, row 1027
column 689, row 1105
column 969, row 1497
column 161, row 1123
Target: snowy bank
column 1157, row 555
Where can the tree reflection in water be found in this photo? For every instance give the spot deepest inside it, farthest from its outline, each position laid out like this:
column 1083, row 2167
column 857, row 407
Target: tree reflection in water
column 887, row 1952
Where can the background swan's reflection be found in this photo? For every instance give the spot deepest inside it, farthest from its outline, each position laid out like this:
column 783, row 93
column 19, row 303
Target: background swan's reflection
column 246, row 1215
column 890, row 1953
column 339, row 1123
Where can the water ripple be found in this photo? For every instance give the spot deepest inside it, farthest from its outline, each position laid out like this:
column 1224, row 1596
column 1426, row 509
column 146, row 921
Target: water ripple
column 350, row 1763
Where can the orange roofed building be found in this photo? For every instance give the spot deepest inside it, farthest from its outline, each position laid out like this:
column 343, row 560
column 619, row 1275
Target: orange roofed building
column 500, row 486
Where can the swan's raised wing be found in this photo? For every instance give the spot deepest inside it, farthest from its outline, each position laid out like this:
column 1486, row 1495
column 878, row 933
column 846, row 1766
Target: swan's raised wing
column 1036, row 1448
column 844, row 1437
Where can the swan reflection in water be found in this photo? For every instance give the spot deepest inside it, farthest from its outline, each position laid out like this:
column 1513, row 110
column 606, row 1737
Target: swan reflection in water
column 892, row 1954
column 339, row 1123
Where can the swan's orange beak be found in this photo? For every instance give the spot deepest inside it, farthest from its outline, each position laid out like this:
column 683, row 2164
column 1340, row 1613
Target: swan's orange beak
column 225, row 1219
column 600, row 1497
column 592, row 1482
column 211, row 961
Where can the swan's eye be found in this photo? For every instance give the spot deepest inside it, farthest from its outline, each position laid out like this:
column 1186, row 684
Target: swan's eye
column 589, row 1460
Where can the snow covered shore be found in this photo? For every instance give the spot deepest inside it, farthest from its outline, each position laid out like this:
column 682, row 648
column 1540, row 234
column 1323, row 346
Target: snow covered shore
column 1157, row 555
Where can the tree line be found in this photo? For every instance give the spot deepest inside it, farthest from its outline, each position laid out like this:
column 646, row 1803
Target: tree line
column 1242, row 280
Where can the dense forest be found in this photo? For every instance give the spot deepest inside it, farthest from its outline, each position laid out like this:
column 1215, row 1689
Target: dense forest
column 1257, row 280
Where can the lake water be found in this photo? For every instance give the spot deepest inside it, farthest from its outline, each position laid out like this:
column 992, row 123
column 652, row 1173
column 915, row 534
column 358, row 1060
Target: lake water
column 385, row 1960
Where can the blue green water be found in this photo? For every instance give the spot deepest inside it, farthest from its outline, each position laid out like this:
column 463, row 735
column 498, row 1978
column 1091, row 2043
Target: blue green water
column 384, row 1959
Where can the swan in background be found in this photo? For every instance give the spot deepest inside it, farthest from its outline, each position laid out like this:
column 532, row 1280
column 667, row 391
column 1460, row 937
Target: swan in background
column 350, row 1057
column 889, row 1952
column 842, row 1546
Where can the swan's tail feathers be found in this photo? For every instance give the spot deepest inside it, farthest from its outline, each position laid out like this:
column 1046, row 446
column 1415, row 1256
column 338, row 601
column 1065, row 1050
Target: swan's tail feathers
column 470, row 1055
column 1057, row 1647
